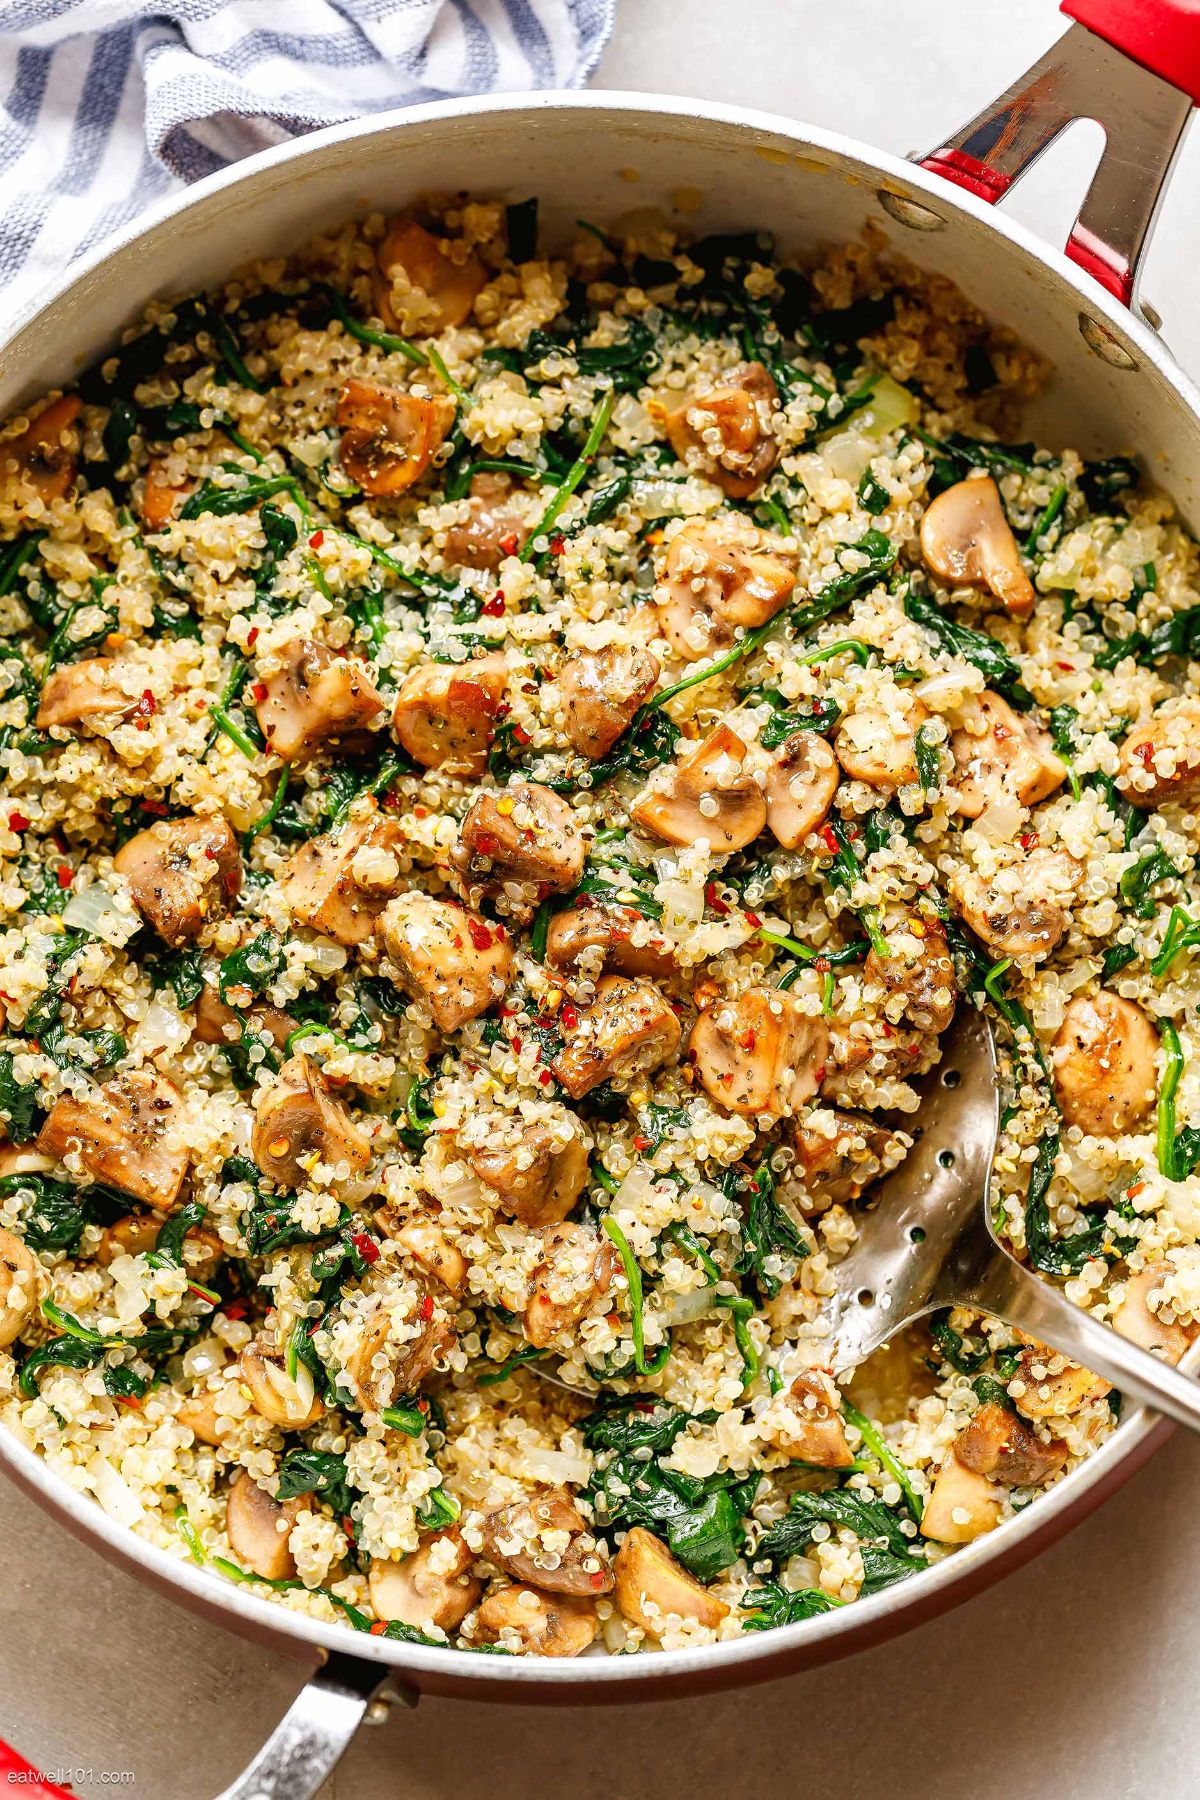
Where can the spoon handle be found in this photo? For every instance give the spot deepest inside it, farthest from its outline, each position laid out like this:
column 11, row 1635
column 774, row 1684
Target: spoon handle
column 1014, row 1294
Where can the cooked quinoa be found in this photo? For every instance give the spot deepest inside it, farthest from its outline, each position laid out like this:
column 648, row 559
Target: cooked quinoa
column 510, row 765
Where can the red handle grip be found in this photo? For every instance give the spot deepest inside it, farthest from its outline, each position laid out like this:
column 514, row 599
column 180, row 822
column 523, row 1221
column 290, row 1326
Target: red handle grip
column 1162, row 35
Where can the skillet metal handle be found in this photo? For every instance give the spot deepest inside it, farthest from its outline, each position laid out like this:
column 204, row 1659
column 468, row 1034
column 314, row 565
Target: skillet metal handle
column 1132, row 66
column 311, row 1738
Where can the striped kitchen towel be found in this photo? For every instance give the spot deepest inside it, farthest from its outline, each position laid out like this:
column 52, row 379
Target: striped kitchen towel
column 109, row 105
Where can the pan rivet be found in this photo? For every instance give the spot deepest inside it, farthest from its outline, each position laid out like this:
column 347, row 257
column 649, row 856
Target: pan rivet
column 909, row 212
column 1098, row 337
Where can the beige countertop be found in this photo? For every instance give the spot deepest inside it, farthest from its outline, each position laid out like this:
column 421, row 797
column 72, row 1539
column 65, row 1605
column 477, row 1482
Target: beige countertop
column 1077, row 1676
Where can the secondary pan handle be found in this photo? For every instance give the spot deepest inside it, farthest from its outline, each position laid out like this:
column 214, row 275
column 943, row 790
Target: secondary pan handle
column 1132, row 66
column 315, row 1732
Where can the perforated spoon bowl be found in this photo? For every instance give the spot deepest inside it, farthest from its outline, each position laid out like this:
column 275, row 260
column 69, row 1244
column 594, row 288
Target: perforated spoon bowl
column 927, row 1242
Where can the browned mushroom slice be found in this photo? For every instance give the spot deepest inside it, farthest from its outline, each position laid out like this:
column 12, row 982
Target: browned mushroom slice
column 1104, row 1065
column 161, row 498
column 962, row 1505
column 1022, row 911
column 537, row 1167
column 839, row 1154
column 724, row 429
column 182, row 873
column 924, row 975
column 760, row 1055
column 339, row 885
column 802, row 779
column 313, row 696
column 576, row 930
column 217, row 1023
column 258, row 1526
column 878, row 744
column 448, row 959
column 524, row 834
column 652, row 1588
column 136, row 1233
column 203, row 1414
column 712, row 793
column 1160, row 760
column 425, row 1241
column 965, row 538
column 410, row 257
column 432, row 1587
column 298, row 1124
column 492, row 529
column 806, row 1422
column 998, row 754
column 526, row 1541
column 129, row 1134
column 538, row 1624
column 94, row 691
column 46, row 453
column 445, row 713
column 575, row 1271
column 1138, row 1321
column 998, row 1444
column 389, row 437
column 289, row 1401
column 720, row 575
column 629, row 1030
column 397, row 1351
column 601, row 691
column 18, row 1287
column 1049, row 1385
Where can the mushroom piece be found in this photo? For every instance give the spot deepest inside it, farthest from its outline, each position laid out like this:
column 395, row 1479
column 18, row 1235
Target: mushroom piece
column 526, row 1541
column 23, row 1159
column 397, row 1351
column 652, row 1587
column 409, row 257
column 298, row 1124
column 130, row 1134
column 431, row 1588
column 202, row 1415
column 806, row 1423
column 760, row 1055
column 313, row 696
column 389, row 437
column 182, row 873
column 539, row 1624
column 878, row 744
column 576, row 1270
column 257, row 1527
column 524, row 834
column 1022, row 911
column 492, row 529
column 137, row 1233
column 802, row 779
column 445, row 713
column 46, row 452
column 577, row 930
column 285, row 1400
column 217, row 1023
column 1000, row 754
column 724, row 430
column 93, row 692
column 601, row 691
column 966, row 538
column 449, row 960
column 339, row 884
column 431, row 1249
column 962, row 1505
column 712, row 793
column 536, row 1167
column 1103, row 1064
column 1137, row 1320
column 839, row 1154
column 161, row 498
column 1160, row 760
column 998, row 1444
column 18, row 1287
column 1051, row 1384
column 923, row 976
column 720, row 575
column 629, row 1030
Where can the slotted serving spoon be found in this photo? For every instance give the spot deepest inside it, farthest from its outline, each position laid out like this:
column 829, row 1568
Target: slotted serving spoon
column 927, row 1242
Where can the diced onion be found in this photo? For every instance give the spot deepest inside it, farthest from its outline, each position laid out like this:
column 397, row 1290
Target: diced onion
column 99, row 913
column 684, row 1309
column 559, row 1465
column 115, row 1494
column 890, row 406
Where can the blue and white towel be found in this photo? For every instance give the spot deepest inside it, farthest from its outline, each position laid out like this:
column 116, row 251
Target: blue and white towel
column 109, row 105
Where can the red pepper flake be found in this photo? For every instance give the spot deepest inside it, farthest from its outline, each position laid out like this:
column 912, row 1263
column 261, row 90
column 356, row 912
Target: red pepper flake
column 545, row 1078
column 1029, row 840
column 569, row 1015
column 425, row 1310
column 422, row 1403
column 886, row 1028
column 510, row 543
column 521, row 736
column 65, row 874
column 487, row 843
column 558, row 544
column 379, row 1627
column 1069, row 667
column 819, row 1075
column 713, row 899
column 641, row 1143
column 158, row 807
column 515, row 1041
column 366, row 1246
column 827, row 838
column 1145, row 754
column 748, row 1040
column 752, row 918
column 259, row 690
column 494, row 608
column 1133, row 1192
column 599, row 1579
column 481, row 937
column 316, row 540
column 235, row 1310
column 145, row 709
column 18, row 822
column 210, row 853
column 252, row 638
